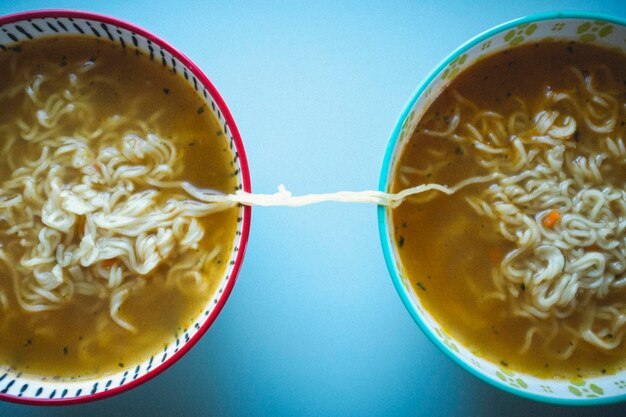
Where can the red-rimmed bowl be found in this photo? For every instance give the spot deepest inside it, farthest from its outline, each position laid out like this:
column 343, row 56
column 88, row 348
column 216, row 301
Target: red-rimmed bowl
column 26, row 26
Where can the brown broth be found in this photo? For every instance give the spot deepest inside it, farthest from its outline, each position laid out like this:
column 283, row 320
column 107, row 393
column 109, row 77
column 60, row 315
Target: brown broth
column 448, row 251
column 77, row 340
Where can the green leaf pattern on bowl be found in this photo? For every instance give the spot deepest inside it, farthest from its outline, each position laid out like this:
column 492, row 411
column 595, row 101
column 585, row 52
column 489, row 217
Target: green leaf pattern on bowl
column 447, row 340
column 580, row 388
column 408, row 126
column 621, row 384
column 454, row 67
column 509, row 377
column 590, row 31
column 517, row 35
column 475, row 363
column 557, row 27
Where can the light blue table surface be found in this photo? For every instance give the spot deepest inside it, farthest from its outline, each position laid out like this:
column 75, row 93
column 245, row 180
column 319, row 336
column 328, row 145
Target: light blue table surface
column 314, row 325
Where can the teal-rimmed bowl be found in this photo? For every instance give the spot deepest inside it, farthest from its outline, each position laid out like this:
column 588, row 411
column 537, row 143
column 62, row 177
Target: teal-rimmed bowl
column 584, row 27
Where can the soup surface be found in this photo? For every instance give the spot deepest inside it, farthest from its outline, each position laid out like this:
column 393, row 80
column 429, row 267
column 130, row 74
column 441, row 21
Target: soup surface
column 454, row 253
column 108, row 91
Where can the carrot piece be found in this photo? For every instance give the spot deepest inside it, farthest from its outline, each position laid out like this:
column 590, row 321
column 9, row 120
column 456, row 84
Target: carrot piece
column 108, row 263
column 551, row 218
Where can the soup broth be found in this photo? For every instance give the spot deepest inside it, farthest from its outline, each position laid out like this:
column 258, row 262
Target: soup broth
column 450, row 252
column 79, row 338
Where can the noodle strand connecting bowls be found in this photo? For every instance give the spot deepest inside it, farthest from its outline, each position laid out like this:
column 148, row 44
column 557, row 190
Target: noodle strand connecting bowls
column 542, row 247
column 94, row 208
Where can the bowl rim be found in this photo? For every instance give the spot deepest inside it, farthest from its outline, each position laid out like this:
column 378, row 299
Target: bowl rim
column 383, row 226
column 245, row 175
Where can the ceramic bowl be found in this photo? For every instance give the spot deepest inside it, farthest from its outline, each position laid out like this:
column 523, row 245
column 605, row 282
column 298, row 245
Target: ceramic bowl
column 570, row 26
column 24, row 27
